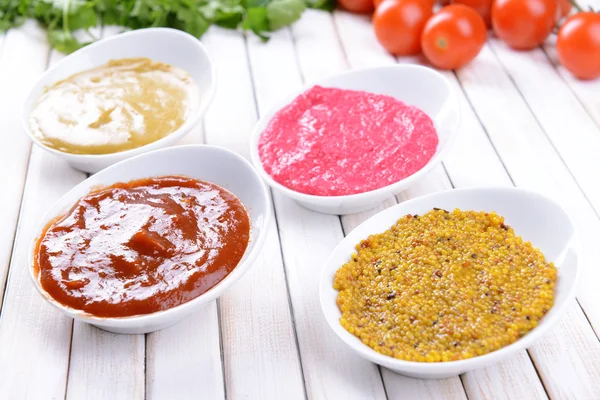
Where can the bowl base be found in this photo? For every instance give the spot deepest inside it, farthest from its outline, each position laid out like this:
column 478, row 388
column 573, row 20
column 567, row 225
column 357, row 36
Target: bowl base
column 339, row 209
column 417, row 375
column 137, row 330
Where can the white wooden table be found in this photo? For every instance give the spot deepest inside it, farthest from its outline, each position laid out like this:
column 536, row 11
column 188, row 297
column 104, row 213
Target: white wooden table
column 526, row 122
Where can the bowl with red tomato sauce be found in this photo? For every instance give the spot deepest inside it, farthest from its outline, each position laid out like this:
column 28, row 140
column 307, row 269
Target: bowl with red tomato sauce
column 146, row 242
column 346, row 143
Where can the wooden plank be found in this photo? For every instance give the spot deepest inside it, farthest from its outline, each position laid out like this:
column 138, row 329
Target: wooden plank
column 351, row 221
column 232, row 115
column 472, row 160
column 514, row 378
column 105, row 365
column 586, row 91
column 34, row 336
column 564, row 357
column 549, row 98
column 184, row 361
column 461, row 166
column 435, row 181
column 533, row 162
column 403, row 387
column 317, row 46
column 259, row 347
column 330, row 369
column 358, row 40
column 258, row 335
column 16, row 77
column 569, row 127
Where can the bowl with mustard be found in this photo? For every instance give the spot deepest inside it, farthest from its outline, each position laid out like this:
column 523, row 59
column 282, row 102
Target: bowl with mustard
column 452, row 281
column 119, row 97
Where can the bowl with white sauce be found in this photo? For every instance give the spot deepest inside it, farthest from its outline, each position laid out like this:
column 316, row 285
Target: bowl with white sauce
column 121, row 96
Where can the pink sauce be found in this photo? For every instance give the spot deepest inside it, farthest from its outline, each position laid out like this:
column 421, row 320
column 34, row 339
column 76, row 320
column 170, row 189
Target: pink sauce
column 332, row 142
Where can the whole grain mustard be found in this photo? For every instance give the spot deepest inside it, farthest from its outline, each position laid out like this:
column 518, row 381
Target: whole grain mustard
column 444, row 286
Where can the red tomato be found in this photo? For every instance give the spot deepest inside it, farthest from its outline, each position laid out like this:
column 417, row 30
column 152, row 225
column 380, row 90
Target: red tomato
column 524, row 24
column 357, row 6
column 578, row 45
column 453, row 37
column 398, row 25
column 483, row 7
column 565, row 7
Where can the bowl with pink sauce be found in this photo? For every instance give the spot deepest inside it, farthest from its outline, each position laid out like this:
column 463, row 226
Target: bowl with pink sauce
column 344, row 144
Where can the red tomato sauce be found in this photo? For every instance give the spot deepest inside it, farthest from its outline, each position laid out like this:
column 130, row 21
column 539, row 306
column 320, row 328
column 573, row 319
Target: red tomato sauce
column 142, row 246
column 332, row 142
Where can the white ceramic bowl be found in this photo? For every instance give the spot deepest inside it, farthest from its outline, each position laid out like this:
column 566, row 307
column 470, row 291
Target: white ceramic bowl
column 208, row 163
column 166, row 45
column 415, row 85
column 534, row 217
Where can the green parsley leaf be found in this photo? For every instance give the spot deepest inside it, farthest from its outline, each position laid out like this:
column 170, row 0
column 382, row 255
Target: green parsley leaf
column 63, row 17
column 327, row 5
column 63, row 41
column 282, row 13
column 257, row 21
column 82, row 17
column 192, row 22
column 226, row 13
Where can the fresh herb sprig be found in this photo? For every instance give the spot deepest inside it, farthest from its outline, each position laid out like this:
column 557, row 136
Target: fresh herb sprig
column 63, row 17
